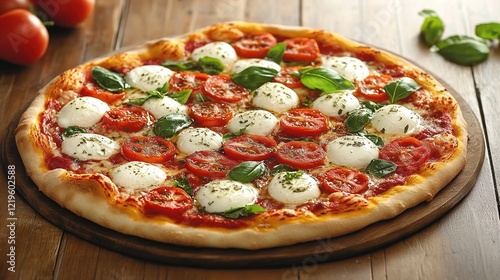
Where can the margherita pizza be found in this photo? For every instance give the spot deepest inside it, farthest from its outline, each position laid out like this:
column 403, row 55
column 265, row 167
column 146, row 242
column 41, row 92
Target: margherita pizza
column 243, row 135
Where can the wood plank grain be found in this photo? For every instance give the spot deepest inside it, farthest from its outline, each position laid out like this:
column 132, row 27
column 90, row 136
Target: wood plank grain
column 77, row 257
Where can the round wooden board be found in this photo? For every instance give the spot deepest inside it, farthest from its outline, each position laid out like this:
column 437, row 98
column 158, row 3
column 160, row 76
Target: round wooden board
column 362, row 241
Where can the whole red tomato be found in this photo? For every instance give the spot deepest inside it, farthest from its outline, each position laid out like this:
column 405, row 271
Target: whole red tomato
column 66, row 13
column 9, row 5
column 23, row 37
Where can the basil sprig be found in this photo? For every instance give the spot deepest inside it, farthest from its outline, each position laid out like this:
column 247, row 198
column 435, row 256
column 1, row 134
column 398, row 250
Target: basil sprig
column 281, row 168
column 247, row 171
column 488, row 31
column 356, row 120
column 400, row 88
column 275, row 53
column 206, row 64
column 180, row 96
column 462, row 49
column 109, row 80
column 380, row 168
column 183, row 183
column 72, row 130
column 247, row 210
column 167, row 126
column 254, row 76
column 432, row 28
column 324, row 79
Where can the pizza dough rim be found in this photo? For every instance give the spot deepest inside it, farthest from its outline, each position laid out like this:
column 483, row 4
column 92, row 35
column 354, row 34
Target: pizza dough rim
column 54, row 183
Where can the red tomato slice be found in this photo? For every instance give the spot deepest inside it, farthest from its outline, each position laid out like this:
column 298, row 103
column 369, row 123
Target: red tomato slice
column 211, row 114
column 254, row 45
column 343, row 180
column 250, row 147
column 372, row 87
column 301, row 155
column 171, row 201
column 287, row 77
column 408, row 153
column 222, row 88
column 193, row 44
column 209, row 164
column 152, row 149
column 303, row 122
column 187, row 80
column 129, row 119
column 301, row 49
column 93, row 90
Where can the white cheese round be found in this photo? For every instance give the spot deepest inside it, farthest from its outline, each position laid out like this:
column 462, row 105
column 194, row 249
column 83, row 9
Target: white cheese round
column 395, row 119
column 191, row 140
column 259, row 122
column 275, row 97
column 137, row 175
column 352, row 151
column 82, row 111
column 293, row 190
column 348, row 67
column 148, row 77
column 160, row 107
column 220, row 50
column 243, row 64
column 89, row 146
column 336, row 104
column 222, row 195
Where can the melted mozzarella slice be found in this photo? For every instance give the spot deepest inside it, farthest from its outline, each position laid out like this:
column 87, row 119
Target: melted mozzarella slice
column 348, row 67
column 82, row 111
column 160, row 107
column 191, row 140
column 352, row 151
column 259, row 122
column 137, row 175
column 275, row 97
column 89, row 146
column 222, row 195
column 293, row 190
column 395, row 119
column 336, row 104
column 220, row 50
column 243, row 64
column 148, row 77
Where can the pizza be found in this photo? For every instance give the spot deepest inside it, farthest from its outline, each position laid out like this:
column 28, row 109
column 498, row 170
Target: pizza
column 243, row 135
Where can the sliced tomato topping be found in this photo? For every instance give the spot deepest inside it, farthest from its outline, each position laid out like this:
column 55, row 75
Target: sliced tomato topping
column 250, row 147
column 129, row 118
column 301, row 50
column 372, row 88
column 254, row 45
column 301, row 155
column 343, row 180
column 211, row 114
column 152, row 149
column 93, row 90
column 209, row 164
column 170, row 201
column 289, row 76
column 193, row 44
column 222, row 88
column 303, row 122
column 408, row 153
column 187, row 80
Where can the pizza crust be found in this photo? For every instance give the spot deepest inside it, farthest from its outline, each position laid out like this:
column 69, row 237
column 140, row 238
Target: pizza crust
column 85, row 196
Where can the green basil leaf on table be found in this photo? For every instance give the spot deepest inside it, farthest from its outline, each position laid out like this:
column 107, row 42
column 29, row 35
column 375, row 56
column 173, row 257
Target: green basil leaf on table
column 400, row 88
column 247, row 171
column 210, row 65
column 275, row 53
column 72, row 130
column 254, row 76
column 380, row 168
column 247, row 210
column 324, row 79
column 109, row 80
column 462, row 49
column 356, row 120
column 432, row 28
column 489, row 31
column 168, row 126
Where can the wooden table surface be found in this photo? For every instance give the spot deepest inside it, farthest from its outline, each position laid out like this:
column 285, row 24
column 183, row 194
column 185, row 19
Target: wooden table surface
column 463, row 244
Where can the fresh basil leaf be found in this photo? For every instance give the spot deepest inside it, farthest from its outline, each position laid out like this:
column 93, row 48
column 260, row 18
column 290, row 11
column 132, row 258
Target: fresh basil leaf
column 432, row 28
column 254, row 76
column 357, row 119
column 109, row 80
column 489, row 31
column 183, row 183
column 200, row 98
column 167, row 126
column 248, row 210
column 181, row 96
column 379, row 142
column 247, row 171
column 72, row 130
column 180, row 65
column 275, row 53
column 380, row 168
column 281, row 168
column 400, row 88
column 232, row 134
column 462, row 49
column 372, row 105
column 290, row 175
column 210, row 65
column 137, row 101
column 324, row 79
